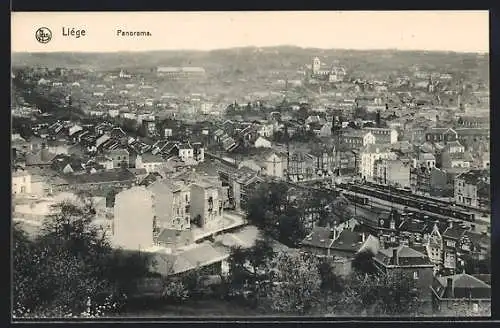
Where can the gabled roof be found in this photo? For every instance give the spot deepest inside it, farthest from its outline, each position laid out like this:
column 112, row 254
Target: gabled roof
column 462, row 286
column 348, row 241
column 406, row 256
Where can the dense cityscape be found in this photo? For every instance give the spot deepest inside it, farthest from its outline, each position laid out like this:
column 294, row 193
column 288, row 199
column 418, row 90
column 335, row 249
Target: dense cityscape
column 251, row 182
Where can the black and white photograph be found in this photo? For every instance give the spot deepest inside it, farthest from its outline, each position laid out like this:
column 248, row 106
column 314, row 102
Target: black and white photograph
column 250, row 164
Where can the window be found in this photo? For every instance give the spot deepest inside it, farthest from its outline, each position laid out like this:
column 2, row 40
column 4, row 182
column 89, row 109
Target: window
column 210, row 203
column 393, row 225
column 415, row 275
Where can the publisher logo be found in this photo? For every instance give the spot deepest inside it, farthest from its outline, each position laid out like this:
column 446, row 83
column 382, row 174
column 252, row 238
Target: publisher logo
column 43, row 35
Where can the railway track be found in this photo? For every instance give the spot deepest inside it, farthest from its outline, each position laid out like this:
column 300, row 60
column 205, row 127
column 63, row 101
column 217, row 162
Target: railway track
column 410, row 202
column 425, row 198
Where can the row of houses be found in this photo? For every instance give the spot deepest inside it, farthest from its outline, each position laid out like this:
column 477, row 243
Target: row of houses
column 417, row 249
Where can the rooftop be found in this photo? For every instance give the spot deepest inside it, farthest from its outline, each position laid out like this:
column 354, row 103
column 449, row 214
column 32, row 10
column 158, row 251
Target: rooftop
column 406, row 256
column 150, row 158
column 116, row 175
column 199, row 256
column 474, row 177
column 462, row 286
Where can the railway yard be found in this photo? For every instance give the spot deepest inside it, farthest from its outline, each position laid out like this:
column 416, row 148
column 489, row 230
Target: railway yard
column 367, row 199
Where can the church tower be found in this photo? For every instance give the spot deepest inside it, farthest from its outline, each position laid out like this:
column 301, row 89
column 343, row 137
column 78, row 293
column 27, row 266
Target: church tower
column 316, row 65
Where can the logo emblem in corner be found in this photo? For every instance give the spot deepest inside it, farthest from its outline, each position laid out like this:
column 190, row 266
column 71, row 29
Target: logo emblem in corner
column 43, row 35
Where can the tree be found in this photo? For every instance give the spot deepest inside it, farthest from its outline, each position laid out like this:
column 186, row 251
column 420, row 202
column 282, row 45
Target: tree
column 291, row 227
column 295, row 285
column 71, row 269
column 363, row 263
column 249, row 268
column 379, row 295
column 269, row 201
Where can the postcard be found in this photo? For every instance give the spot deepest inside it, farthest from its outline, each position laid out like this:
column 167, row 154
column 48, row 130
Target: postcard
column 250, row 164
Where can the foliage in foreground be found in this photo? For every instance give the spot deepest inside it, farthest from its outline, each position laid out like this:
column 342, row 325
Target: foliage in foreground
column 70, row 269
column 299, row 284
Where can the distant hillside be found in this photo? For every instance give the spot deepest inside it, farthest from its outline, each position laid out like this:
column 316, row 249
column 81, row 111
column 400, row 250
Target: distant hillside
column 251, row 58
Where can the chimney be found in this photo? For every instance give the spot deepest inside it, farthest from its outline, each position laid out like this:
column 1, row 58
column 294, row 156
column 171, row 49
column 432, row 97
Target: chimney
column 449, row 286
column 363, row 237
column 450, row 224
column 472, row 227
column 395, row 256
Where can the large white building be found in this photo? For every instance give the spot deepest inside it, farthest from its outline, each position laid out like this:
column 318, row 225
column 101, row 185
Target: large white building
column 133, row 219
column 368, row 155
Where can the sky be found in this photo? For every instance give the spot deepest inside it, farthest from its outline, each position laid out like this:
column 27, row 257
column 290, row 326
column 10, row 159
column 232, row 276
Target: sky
column 460, row 31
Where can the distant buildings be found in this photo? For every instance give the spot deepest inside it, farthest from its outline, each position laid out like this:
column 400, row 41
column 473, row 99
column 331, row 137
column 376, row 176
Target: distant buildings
column 355, row 139
column 176, row 73
column 383, row 135
column 473, row 188
column 150, row 162
column 334, row 74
